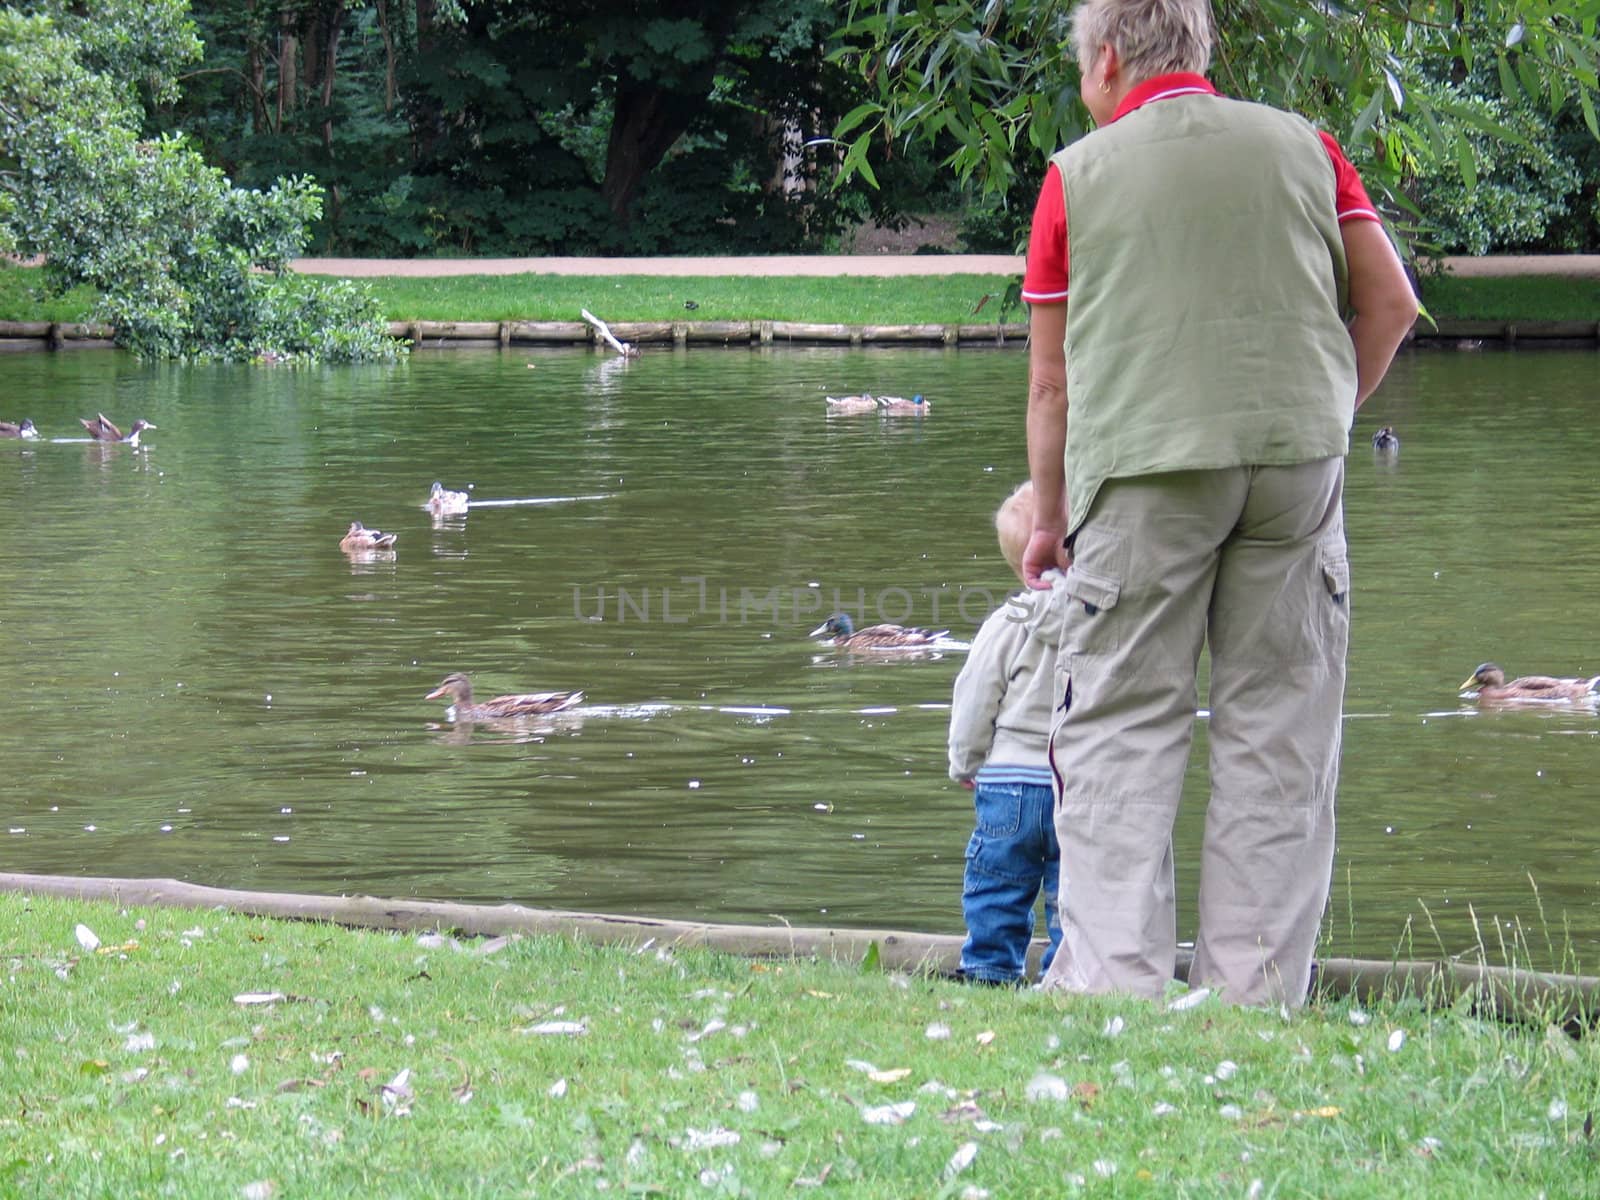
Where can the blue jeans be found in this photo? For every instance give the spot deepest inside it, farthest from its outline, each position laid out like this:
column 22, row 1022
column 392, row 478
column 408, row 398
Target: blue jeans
column 1012, row 855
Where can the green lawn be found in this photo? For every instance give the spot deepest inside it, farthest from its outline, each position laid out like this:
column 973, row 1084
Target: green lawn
column 169, row 1052
column 852, row 300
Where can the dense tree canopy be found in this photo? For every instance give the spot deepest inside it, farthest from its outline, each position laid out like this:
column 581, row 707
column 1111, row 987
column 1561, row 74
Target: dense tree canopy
column 531, row 126
column 186, row 264
column 997, row 85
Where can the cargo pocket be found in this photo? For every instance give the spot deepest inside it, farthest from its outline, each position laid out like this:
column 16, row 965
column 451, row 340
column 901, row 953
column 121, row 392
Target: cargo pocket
column 1087, row 627
column 1333, row 619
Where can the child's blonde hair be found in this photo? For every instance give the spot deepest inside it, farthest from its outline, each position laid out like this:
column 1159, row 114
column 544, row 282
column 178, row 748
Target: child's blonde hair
column 1013, row 522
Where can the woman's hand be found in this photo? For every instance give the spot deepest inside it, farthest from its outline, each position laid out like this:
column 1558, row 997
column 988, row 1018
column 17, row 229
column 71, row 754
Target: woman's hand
column 1046, row 550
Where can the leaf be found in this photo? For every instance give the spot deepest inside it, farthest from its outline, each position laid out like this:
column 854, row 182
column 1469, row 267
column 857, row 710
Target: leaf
column 87, row 938
column 1369, row 115
column 893, row 1075
column 1465, row 161
column 855, row 116
column 872, row 960
column 1514, row 34
column 1395, row 90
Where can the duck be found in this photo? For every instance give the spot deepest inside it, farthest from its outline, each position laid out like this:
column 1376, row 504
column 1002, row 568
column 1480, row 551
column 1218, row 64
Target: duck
column 899, row 405
column 864, row 403
column 442, row 502
column 1386, row 439
column 359, row 538
column 1491, row 683
column 458, row 689
column 102, row 430
column 25, row 430
column 844, row 635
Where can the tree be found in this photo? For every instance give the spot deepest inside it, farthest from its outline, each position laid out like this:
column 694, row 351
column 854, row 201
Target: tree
column 1000, row 80
column 531, row 126
column 187, row 265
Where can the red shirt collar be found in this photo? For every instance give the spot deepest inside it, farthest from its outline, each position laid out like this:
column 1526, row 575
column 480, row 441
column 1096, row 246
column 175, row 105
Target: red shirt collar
column 1179, row 83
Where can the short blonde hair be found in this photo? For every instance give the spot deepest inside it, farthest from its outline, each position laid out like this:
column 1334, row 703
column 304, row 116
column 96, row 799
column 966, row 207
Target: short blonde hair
column 1013, row 522
column 1151, row 37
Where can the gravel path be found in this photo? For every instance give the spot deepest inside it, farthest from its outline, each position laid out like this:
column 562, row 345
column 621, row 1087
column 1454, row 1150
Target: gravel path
column 1578, row 265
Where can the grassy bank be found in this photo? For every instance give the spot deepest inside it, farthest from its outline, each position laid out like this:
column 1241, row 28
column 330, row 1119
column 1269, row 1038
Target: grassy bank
column 392, row 1065
column 850, row 300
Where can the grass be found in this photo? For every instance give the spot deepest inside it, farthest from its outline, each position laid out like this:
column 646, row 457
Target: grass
column 1524, row 298
column 850, row 300
column 397, row 1065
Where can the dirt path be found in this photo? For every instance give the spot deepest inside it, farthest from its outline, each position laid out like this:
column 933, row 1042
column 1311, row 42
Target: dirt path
column 1585, row 266
column 777, row 264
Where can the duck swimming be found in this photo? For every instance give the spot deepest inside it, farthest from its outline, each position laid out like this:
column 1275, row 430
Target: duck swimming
column 900, row 406
column 442, row 502
column 359, row 538
column 1491, row 683
column 458, row 689
column 102, row 430
column 1386, row 439
column 864, row 403
column 25, row 430
column 844, row 635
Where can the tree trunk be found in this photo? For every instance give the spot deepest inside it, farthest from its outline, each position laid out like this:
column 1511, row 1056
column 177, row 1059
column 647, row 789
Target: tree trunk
column 388, row 57
column 647, row 122
column 288, row 60
column 330, row 66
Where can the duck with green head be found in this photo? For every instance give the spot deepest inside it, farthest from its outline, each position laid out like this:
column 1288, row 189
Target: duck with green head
column 840, row 632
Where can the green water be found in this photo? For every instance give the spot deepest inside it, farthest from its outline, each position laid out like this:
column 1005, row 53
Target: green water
column 198, row 684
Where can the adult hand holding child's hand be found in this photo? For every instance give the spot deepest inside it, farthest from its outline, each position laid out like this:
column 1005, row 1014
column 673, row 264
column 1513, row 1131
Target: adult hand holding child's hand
column 1046, row 550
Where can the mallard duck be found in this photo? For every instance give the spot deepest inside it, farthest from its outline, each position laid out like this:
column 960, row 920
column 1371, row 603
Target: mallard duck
column 102, row 430
column 899, row 405
column 864, row 403
column 1491, row 683
column 444, row 503
column 458, row 689
column 1386, row 439
column 359, row 537
column 843, row 634
column 25, row 430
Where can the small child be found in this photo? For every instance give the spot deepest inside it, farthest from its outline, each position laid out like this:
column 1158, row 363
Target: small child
column 999, row 740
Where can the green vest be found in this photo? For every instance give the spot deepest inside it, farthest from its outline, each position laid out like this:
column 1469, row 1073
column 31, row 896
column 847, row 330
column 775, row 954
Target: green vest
column 1207, row 279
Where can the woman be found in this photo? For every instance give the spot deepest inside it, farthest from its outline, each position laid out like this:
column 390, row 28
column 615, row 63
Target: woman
column 1198, row 333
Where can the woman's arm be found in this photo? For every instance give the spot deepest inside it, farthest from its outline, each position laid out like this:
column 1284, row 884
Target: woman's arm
column 1047, row 441
column 1381, row 296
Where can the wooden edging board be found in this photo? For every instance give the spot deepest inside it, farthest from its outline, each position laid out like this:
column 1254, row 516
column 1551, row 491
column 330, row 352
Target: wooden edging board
column 1510, row 993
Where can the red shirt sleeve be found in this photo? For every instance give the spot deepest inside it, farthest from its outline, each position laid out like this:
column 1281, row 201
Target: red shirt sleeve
column 1045, row 279
column 1350, row 194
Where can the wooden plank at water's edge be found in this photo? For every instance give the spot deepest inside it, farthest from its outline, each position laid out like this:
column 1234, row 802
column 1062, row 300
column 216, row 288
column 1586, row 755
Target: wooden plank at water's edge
column 1513, row 993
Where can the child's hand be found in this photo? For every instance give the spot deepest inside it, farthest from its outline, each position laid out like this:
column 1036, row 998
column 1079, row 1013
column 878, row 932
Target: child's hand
column 970, row 784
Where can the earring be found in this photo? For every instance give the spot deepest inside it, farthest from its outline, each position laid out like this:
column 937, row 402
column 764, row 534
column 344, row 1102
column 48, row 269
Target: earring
column 1105, row 88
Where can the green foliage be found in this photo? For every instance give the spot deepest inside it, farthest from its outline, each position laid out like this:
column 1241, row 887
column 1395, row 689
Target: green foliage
column 1000, row 80
column 537, row 128
column 186, row 265
column 1520, row 183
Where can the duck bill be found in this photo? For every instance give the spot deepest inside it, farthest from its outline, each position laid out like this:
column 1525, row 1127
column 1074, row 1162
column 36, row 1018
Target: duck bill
column 1471, row 681
column 438, row 693
column 819, row 630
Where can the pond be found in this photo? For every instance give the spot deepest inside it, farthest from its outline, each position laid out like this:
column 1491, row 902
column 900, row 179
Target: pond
column 199, row 684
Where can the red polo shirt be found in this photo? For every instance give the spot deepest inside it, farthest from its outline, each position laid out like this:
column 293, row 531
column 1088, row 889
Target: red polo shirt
column 1045, row 281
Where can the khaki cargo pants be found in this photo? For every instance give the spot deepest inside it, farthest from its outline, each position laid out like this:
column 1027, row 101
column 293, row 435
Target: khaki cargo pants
column 1251, row 560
